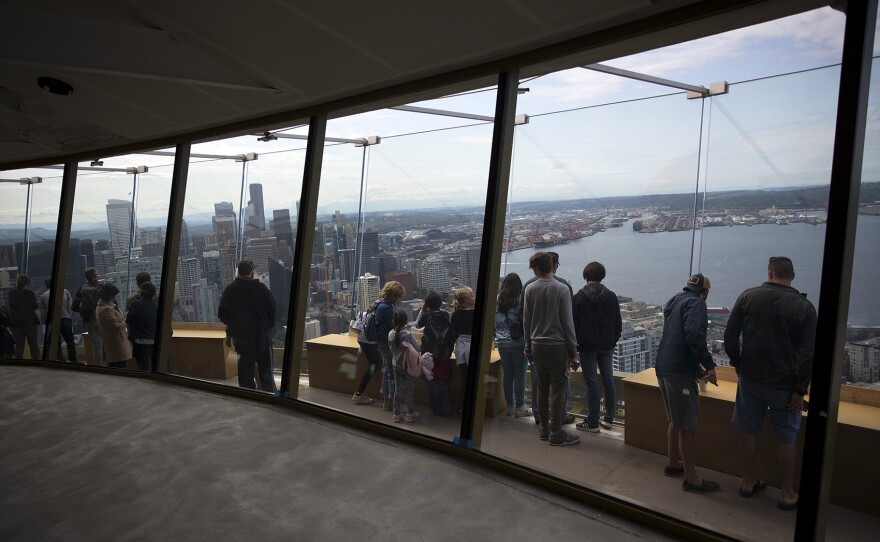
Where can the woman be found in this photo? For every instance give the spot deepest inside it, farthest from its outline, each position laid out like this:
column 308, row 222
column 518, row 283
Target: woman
column 24, row 322
column 117, row 349
column 379, row 351
column 461, row 325
column 511, row 344
column 436, row 341
column 141, row 320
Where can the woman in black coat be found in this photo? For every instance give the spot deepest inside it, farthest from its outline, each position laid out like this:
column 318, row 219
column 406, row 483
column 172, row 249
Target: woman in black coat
column 24, row 320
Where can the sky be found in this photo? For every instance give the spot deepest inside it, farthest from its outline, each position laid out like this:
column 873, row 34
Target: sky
column 768, row 133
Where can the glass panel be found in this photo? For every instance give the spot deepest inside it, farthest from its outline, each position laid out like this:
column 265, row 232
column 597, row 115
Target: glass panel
column 116, row 244
column 407, row 211
column 27, row 249
column 241, row 205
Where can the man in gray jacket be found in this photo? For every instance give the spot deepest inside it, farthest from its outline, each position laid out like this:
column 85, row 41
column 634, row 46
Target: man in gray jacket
column 550, row 337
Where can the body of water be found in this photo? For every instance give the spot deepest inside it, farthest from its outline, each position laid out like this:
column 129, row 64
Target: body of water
column 653, row 266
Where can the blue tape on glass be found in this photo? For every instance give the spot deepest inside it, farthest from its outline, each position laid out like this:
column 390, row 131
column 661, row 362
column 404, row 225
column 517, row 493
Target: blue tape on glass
column 463, row 442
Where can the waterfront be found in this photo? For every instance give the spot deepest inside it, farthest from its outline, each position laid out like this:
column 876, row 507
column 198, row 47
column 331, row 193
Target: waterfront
column 652, row 267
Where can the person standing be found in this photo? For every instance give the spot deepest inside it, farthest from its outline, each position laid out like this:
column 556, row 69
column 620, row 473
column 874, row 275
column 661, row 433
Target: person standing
column 462, row 325
column 778, row 329
column 66, row 321
column 24, row 322
column 404, row 387
column 109, row 320
column 377, row 349
column 248, row 310
column 141, row 320
column 550, row 337
column 435, row 324
column 85, row 302
column 511, row 344
column 680, row 356
column 598, row 325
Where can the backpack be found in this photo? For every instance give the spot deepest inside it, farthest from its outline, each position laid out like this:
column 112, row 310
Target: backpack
column 434, row 336
column 412, row 362
column 88, row 301
column 371, row 324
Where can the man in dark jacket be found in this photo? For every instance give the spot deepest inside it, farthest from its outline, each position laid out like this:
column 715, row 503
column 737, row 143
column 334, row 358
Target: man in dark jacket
column 248, row 310
column 598, row 326
column 681, row 355
column 778, row 328
column 85, row 302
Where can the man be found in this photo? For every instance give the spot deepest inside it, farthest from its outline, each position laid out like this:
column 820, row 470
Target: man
column 550, row 338
column 680, row 356
column 248, row 310
column 85, row 302
column 140, row 279
column 566, row 417
column 778, row 328
column 66, row 321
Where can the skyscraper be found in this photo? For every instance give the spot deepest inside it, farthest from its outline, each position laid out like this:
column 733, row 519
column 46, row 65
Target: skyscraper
column 470, row 265
column 369, row 247
column 434, row 276
column 281, row 226
column 368, row 291
column 223, row 222
column 258, row 218
column 206, row 300
column 189, row 274
column 121, row 223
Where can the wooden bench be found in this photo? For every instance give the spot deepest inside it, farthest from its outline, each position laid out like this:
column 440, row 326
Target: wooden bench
column 855, row 480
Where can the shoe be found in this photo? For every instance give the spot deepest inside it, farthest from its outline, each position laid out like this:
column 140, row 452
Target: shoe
column 786, row 506
column 522, row 412
column 544, row 433
column 397, row 418
column 412, row 417
column 605, row 424
column 760, row 485
column 585, row 426
column 569, row 418
column 361, row 399
column 386, row 404
column 672, row 471
column 511, row 410
column 563, row 438
column 537, row 419
column 705, row 486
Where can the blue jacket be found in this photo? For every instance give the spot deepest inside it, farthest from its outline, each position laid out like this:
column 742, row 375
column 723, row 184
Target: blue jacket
column 683, row 346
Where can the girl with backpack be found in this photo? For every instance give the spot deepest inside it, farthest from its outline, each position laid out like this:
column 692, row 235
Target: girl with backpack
column 404, row 382
column 511, row 344
column 436, row 341
column 376, row 349
column 24, row 323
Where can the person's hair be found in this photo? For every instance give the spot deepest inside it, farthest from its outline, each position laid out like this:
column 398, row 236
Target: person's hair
column 246, row 267
column 594, row 272
column 542, row 262
column 399, row 320
column 511, row 288
column 142, row 277
column 22, row 282
column 781, row 267
column 148, row 290
column 555, row 257
column 107, row 292
column 392, row 289
column 91, row 273
column 47, row 283
column 463, row 298
column 433, row 300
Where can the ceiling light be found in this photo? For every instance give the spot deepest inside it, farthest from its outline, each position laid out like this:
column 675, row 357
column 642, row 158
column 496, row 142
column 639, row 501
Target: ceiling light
column 97, row 162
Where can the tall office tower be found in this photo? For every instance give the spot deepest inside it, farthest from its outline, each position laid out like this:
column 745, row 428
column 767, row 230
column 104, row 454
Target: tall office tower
column 318, row 247
column 258, row 218
column 186, row 247
column 367, row 291
column 369, row 247
column 280, row 278
column 346, row 264
column 189, row 273
column 633, row 352
column 200, row 244
column 206, row 300
column 470, row 265
column 152, row 234
column 281, row 226
column 224, row 223
column 211, row 267
column 406, row 279
column 433, row 275
column 285, row 254
column 121, row 223
column 384, row 264
column 864, row 360
column 297, row 210
column 313, row 329
column 104, row 261
column 152, row 250
column 261, row 251
column 7, row 256
column 338, row 218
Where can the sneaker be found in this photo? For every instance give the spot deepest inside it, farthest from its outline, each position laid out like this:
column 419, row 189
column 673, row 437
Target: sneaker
column 412, row 417
column 511, row 410
column 563, row 438
column 361, row 399
column 605, row 424
column 397, row 418
column 544, row 433
column 585, row 426
column 569, row 418
column 522, row 412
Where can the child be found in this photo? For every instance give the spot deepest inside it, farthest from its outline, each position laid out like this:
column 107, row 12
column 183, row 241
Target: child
column 404, row 384
column 436, row 341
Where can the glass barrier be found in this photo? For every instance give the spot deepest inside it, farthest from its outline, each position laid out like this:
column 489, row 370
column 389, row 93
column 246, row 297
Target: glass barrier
column 232, row 291
column 399, row 219
column 27, row 250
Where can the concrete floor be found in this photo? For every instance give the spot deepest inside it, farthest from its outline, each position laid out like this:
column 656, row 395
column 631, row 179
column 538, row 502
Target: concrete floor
column 102, row 457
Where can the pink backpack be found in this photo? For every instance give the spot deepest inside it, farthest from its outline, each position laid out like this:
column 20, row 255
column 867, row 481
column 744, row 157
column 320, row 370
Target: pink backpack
column 411, row 360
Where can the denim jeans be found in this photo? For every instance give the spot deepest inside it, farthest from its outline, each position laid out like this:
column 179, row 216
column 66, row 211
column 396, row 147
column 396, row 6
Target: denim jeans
column 590, row 361
column 387, row 387
column 374, row 362
column 143, row 354
column 404, row 389
column 513, row 362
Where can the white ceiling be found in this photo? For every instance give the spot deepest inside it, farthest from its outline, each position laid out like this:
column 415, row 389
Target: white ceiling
column 147, row 70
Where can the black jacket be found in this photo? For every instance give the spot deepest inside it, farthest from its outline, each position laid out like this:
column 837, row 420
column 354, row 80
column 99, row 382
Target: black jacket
column 248, row 310
column 683, row 347
column 778, row 328
column 141, row 319
column 597, row 321
column 23, row 304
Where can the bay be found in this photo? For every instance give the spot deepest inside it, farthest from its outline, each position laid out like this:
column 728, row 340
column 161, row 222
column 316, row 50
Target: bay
column 653, row 266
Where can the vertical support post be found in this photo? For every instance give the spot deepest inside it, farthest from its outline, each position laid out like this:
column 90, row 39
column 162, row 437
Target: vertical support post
column 305, row 237
column 473, row 409
column 179, row 175
column 837, row 264
column 59, row 260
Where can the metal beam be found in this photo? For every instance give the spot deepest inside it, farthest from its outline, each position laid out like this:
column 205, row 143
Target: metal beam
column 192, row 155
column 442, row 112
column 360, row 141
column 59, row 260
column 646, row 78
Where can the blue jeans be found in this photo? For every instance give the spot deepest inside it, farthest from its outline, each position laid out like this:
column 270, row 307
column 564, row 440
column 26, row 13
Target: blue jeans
column 590, row 361
column 374, row 361
column 388, row 386
column 513, row 361
column 404, row 390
